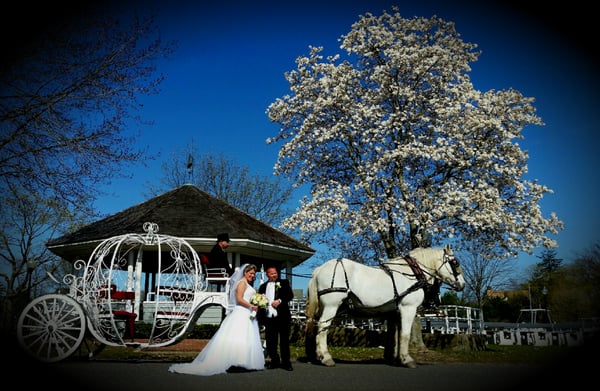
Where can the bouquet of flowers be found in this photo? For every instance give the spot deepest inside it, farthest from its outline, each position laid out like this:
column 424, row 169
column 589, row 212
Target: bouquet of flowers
column 260, row 301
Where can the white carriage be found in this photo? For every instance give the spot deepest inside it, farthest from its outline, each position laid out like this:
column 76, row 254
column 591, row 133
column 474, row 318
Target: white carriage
column 128, row 278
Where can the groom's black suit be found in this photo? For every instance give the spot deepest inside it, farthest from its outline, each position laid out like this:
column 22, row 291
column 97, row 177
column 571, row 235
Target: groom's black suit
column 278, row 328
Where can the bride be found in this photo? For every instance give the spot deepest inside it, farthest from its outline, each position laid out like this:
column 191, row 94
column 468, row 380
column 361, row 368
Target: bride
column 236, row 344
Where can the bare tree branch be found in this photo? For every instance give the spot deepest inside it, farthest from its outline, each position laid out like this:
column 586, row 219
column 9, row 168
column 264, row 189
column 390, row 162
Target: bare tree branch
column 68, row 107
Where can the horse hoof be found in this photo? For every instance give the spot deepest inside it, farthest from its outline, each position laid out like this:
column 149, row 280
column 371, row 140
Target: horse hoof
column 410, row 364
column 328, row 363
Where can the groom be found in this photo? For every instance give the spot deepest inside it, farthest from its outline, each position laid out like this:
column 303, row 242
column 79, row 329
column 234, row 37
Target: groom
column 277, row 318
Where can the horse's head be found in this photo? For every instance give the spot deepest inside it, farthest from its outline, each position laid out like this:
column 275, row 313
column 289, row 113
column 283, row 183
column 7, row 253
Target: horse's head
column 440, row 263
column 450, row 271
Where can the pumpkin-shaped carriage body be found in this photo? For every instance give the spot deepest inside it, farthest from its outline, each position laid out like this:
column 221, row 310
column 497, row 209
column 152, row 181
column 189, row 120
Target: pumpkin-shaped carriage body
column 158, row 280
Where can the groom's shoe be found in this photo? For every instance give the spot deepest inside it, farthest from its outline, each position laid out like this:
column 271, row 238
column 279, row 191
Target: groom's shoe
column 287, row 367
column 272, row 365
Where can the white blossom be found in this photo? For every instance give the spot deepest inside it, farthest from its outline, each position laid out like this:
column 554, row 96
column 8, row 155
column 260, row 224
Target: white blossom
column 394, row 139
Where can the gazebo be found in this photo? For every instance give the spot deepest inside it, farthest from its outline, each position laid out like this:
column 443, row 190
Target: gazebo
column 195, row 217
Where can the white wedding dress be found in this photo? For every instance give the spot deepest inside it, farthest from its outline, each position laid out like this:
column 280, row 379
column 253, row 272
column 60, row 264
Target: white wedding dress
column 235, row 344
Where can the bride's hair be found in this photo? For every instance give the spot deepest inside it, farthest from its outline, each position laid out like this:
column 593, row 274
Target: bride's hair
column 235, row 278
column 249, row 267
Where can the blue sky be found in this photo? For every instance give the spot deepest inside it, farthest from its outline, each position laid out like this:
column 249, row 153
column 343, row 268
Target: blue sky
column 232, row 57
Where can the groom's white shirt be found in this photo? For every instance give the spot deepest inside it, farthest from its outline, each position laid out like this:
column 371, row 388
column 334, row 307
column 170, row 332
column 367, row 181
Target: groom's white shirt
column 270, row 292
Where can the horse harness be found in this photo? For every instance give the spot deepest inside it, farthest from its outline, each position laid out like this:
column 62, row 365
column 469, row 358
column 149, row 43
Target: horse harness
column 354, row 301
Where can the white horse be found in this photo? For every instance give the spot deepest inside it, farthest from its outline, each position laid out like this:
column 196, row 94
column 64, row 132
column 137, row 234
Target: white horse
column 397, row 285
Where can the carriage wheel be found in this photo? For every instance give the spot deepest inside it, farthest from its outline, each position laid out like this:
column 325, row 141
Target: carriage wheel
column 51, row 327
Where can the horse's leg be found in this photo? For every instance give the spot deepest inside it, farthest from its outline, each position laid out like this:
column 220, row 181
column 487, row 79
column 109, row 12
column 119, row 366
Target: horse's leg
column 407, row 317
column 323, row 326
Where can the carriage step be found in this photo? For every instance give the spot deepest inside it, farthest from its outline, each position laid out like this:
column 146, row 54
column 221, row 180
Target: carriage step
column 176, row 315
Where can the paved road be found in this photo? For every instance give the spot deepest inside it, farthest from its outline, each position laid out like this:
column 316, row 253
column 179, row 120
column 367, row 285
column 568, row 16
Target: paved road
column 148, row 376
column 578, row 370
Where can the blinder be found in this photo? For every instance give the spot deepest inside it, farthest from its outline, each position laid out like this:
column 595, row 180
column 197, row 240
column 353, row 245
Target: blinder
column 454, row 265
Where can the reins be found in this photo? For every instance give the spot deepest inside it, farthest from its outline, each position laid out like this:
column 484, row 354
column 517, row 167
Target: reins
column 418, row 273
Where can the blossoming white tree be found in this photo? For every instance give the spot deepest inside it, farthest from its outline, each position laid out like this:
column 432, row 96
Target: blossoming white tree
column 396, row 144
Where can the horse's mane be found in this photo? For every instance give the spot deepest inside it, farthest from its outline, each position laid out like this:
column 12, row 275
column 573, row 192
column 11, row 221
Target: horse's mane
column 421, row 250
column 417, row 252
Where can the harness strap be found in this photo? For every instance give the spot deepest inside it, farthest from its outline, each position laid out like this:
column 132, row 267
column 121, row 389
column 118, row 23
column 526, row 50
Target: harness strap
column 389, row 273
column 414, row 287
column 331, row 288
column 412, row 263
column 419, row 275
column 416, row 269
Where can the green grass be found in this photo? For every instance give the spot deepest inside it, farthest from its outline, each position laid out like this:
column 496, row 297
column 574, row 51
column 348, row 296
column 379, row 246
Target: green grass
column 494, row 354
column 515, row 354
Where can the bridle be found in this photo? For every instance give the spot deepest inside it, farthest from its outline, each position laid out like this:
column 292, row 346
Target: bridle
column 454, row 265
column 446, row 259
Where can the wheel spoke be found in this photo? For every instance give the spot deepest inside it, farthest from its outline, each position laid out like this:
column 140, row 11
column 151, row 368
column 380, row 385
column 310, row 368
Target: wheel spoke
column 51, row 327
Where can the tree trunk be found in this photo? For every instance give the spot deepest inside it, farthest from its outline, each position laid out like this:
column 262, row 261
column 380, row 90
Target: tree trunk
column 393, row 337
column 416, row 336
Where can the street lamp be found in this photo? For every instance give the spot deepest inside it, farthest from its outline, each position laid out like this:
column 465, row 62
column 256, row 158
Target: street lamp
column 545, row 293
column 31, row 265
column 530, row 305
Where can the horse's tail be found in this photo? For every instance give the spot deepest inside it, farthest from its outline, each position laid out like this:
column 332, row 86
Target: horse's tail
column 312, row 312
column 312, row 299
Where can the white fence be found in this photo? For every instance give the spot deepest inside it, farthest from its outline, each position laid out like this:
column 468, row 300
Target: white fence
column 538, row 337
column 453, row 319
column 298, row 309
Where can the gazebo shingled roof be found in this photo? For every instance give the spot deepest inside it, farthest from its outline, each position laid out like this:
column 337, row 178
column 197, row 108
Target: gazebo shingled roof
column 194, row 215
